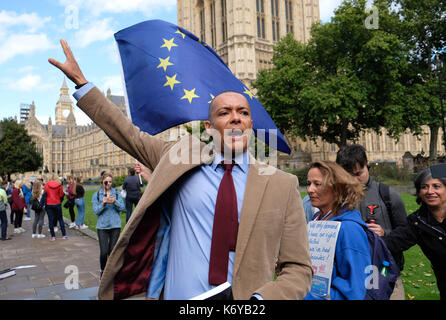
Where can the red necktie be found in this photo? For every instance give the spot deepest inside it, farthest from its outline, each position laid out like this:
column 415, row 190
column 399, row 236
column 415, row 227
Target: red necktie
column 224, row 231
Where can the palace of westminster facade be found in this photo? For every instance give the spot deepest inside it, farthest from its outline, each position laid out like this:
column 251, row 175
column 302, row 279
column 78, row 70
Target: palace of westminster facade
column 243, row 33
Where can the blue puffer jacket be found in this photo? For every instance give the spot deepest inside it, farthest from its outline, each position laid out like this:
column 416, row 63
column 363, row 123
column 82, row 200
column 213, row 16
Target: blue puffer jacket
column 352, row 256
column 108, row 214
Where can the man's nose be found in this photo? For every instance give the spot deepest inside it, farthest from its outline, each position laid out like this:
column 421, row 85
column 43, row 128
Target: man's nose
column 235, row 116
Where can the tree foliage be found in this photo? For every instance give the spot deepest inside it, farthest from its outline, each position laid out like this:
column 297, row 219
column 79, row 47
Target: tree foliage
column 349, row 78
column 423, row 30
column 17, row 151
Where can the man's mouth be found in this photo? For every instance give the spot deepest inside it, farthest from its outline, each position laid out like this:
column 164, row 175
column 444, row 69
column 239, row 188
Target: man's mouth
column 235, row 133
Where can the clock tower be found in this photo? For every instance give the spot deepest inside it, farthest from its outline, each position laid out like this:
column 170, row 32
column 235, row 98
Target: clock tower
column 64, row 105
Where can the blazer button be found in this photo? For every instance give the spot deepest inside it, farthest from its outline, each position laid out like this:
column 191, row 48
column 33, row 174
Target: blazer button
column 415, row 223
column 440, row 238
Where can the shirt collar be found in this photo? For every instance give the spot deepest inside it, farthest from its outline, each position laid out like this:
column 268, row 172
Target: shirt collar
column 241, row 160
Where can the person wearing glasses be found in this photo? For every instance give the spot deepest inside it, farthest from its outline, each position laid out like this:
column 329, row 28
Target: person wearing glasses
column 107, row 203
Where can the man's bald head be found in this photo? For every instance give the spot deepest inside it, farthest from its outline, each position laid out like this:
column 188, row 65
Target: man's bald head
column 214, row 101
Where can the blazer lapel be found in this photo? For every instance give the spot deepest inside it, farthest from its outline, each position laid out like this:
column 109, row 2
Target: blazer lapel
column 173, row 165
column 255, row 188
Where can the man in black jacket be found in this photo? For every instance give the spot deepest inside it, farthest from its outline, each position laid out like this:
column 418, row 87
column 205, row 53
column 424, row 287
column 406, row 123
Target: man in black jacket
column 132, row 185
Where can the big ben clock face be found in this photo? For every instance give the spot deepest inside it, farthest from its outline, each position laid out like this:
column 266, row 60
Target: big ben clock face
column 65, row 113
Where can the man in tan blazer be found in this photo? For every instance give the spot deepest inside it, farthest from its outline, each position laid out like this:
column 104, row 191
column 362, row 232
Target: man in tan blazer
column 272, row 224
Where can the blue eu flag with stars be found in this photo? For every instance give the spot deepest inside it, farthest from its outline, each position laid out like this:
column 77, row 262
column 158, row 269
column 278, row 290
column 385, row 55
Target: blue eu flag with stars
column 171, row 77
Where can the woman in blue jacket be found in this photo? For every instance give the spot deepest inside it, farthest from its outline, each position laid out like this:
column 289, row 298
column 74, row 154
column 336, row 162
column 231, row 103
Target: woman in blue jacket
column 336, row 193
column 107, row 203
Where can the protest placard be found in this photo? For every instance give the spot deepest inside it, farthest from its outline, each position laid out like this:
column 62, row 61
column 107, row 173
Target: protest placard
column 322, row 236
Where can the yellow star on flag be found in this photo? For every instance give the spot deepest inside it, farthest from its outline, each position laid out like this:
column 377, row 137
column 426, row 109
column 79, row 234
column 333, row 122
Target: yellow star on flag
column 212, row 96
column 168, row 44
column 248, row 92
column 164, row 63
column 179, row 32
column 171, row 81
column 189, row 95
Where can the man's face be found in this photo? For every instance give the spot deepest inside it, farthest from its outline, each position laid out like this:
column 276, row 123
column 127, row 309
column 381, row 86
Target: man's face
column 230, row 122
column 361, row 174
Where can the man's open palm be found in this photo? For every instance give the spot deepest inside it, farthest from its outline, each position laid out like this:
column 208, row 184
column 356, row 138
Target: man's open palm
column 70, row 67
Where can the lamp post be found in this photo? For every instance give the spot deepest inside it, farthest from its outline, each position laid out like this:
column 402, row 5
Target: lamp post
column 439, row 66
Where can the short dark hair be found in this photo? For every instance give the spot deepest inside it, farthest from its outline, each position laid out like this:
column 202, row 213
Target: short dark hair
column 132, row 171
column 348, row 156
column 420, row 179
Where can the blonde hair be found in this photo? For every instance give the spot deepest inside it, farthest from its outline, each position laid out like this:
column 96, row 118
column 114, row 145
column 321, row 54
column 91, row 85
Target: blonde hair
column 37, row 189
column 17, row 183
column 56, row 178
column 347, row 190
column 27, row 183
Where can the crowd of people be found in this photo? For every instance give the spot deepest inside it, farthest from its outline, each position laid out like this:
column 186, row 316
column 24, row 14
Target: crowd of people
column 381, row 209
column 24, row 200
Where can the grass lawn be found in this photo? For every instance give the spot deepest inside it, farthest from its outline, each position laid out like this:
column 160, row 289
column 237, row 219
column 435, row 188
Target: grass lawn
column 418, row 278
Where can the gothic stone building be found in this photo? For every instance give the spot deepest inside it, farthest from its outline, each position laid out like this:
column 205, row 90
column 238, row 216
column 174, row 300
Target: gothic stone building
column 79, row 150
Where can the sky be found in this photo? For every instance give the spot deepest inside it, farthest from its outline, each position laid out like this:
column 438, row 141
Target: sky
column 30, row 32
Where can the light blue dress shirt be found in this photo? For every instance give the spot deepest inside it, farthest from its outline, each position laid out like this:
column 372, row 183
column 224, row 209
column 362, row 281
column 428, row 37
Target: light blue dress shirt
column 191, row 202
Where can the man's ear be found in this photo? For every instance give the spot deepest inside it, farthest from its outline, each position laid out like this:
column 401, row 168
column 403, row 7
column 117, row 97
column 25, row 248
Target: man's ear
column 208, row 127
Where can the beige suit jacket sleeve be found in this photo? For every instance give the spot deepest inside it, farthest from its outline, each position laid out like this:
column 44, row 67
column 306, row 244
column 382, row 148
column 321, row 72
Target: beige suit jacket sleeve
column 294, row 279
column 140, row 145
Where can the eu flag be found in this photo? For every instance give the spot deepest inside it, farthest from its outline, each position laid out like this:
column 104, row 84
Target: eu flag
column 171, row 76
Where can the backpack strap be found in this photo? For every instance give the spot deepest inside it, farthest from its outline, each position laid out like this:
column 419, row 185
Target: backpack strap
column 384, row 193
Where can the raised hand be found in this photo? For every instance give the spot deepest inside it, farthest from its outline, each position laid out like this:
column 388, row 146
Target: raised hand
column 70, row 67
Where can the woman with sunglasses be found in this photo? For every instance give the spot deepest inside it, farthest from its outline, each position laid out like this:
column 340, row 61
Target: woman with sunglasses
column 107, row 203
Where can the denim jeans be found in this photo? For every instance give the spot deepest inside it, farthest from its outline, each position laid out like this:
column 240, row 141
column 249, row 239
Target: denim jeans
column 38, row 221
column 80, row 205
column 4, row 222
column 55, row 214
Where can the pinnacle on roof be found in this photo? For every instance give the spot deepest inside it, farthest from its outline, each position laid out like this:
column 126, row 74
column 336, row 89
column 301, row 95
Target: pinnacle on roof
column 64, row 84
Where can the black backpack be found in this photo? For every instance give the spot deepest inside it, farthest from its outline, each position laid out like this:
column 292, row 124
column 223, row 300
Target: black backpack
column 379, row 253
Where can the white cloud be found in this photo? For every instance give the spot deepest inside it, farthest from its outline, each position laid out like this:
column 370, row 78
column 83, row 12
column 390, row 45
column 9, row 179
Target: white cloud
column 97, row 7
column 81, row 118
column 327, row 8
column 26, row 69
column 43, row 119
column 98, row 31
column 18, row 44
column 31, row 83
column 31, row 21
column 114, row 83
column 27, row 83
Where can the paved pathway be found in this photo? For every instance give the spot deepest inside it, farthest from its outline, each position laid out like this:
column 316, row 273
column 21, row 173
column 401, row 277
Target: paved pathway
column 56, row 262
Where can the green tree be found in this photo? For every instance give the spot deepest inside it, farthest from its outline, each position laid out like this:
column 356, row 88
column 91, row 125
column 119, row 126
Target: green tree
column 423, row 29
column 17, row 151
column 346, row 79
